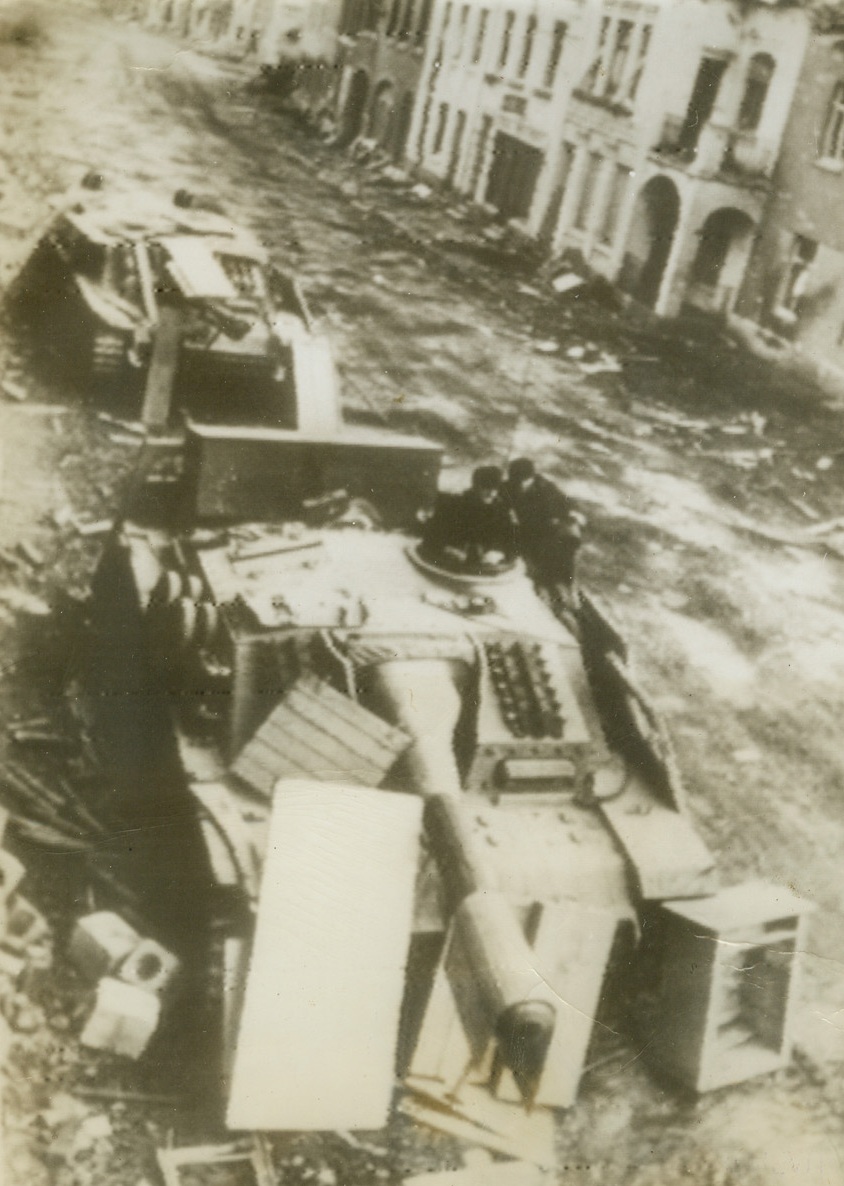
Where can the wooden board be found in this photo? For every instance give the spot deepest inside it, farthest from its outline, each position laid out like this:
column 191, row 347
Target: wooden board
column 480, row 1120
column 668, row 857
column 317, row 1039
column 319, row 733
column 315, row 384
column 572, row 946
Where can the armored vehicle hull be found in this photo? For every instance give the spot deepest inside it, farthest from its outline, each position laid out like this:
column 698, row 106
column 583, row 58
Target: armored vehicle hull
column 114, row 272
column 316, row 668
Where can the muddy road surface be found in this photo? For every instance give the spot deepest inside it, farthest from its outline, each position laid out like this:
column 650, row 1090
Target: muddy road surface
column 708, row 480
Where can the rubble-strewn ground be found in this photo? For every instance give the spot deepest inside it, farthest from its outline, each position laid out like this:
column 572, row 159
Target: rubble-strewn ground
column 703, row 474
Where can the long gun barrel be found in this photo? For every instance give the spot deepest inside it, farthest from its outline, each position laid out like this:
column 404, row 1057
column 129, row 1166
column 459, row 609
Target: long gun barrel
column 421, row 696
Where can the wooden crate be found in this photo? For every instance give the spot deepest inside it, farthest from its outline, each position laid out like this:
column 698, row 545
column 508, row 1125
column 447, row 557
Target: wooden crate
column 726, row 970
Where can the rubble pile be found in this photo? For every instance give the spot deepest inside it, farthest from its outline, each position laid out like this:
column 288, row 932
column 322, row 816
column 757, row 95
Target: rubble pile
column 26, row 952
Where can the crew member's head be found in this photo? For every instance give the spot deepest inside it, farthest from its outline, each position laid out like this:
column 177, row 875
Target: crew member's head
column 486, row 482
column 521, row 472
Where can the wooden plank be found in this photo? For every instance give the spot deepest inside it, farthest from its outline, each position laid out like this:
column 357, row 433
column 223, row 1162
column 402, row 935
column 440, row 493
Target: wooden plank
column 272, row 758
column 572, row 946
column 349, row 723
column 328, row 752
column 348, row 709
column 479, row 1119
column 304, row 751
column 317, row 1040
column 255, row 777
column 316, row 385
column 283, row 749
column 668, row 857
column 161, row 376
column 320, row 733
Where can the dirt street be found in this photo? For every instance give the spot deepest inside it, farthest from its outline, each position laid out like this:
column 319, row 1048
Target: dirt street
column 706, row 478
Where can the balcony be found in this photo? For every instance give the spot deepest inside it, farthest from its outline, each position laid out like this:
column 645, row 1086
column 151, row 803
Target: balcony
column 724, row 154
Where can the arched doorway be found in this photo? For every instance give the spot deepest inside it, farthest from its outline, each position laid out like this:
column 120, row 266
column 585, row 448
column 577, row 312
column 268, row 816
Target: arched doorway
column 725, row 240
column 650, row 238
column 382, row 116
column 355, row 107
column 402, row 126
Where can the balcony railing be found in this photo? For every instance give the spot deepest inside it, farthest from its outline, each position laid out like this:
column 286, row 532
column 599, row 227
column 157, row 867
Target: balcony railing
column 724, row 153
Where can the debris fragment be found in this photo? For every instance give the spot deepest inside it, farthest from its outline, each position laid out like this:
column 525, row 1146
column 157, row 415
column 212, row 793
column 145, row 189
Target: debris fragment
column 499, row 1127
column 25, row 926
column 547, row 346
column 606, row 364
column 253, row 1152
column 97, row 527
column 15, row 390
column 123, row 1020
column 124, row 438
column 100, row 942
column 31, row 554
column 567, row 282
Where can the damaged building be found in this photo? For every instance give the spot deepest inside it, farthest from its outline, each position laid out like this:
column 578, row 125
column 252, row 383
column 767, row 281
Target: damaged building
column 794, row 287
column 378, row 65
column 495, row 84
column 669, row 146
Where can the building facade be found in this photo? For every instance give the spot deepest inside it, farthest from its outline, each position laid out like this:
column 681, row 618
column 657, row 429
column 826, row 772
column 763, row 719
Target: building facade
column 379, row 61
column 492, row 97
column 671, row 139
column 639, row 136
column 795, row 282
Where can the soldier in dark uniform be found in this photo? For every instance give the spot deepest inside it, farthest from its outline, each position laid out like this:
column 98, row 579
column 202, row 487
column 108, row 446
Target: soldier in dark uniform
column 547, row 524
column 476, row 526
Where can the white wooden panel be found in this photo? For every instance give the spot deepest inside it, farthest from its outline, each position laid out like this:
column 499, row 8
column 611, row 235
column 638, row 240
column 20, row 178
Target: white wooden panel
column 316, row 1047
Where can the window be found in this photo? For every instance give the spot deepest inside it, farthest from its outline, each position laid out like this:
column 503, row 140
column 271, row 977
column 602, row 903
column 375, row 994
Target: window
column 593, row 74
column 618, row 58
column 527, row 46
column 393, row 20
column 832, row 143
column 509, row 21
column 406, row 22
column 701, row 103
column 803, row 252
column 443, row 33
column 461, row 31
column 587, row 190
column 480, row 35
column 442, row 120
column 424, row 22
column 641, row 57
column 758, row 80
column 615, row 196
column 558, row 38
